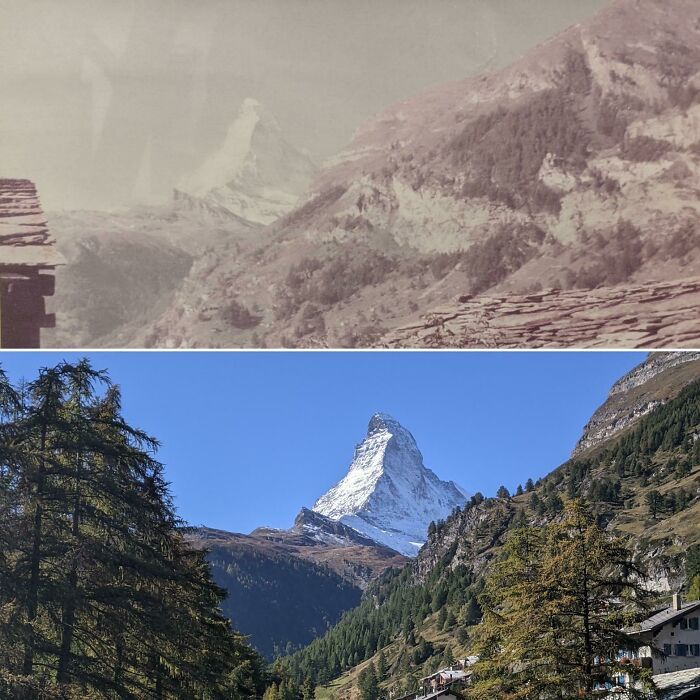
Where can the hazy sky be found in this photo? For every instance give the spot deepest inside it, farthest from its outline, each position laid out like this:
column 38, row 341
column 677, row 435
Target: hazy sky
column 250, row 438
column 109, row 102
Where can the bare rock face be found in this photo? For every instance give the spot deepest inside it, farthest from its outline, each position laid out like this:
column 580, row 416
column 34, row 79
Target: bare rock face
column 659, row 378
column 654, row 315
column 255, row 177
column 388, row 494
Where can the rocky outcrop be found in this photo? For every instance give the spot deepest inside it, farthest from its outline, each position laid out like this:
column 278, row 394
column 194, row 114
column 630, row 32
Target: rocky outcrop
column 388, row 494
column 659, row 378
column 654, row 315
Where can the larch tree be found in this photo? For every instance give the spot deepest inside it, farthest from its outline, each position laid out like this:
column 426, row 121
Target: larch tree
column 556, row 610
column 102, row 596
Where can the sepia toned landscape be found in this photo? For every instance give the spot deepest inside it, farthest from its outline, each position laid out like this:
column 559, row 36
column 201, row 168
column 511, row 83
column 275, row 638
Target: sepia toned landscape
column 572, row 168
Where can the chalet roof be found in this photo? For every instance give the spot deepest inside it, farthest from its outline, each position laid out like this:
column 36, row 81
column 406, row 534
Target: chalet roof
column 449, row 673
column 24, row 234
column 436, row 694
column 679, row 684
column 663, row 617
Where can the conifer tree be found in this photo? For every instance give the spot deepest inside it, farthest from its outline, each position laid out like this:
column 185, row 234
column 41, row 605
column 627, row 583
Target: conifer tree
column 308, row 689
column 554, row 607
column 101, row 595
column 381, row 666
column 503, row 492
column 654, row 502
column 367, row 683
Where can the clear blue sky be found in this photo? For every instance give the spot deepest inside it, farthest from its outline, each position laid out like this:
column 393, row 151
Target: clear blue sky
column 249, row 438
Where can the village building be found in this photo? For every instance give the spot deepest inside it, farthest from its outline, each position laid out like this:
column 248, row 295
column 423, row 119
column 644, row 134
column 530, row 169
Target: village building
column 28, row 259
column 671, row 637
column 670, row 648
column 442, row 683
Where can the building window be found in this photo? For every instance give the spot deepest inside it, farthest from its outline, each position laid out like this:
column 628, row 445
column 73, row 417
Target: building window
column 694, row 649
column 684, row 623
column 667, row 650
column 681, row 650
column 693, row 623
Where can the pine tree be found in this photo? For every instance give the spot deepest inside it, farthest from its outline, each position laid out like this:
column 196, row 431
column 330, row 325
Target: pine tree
column 101, row 593
column 381, row 666
column 271, row 692
column 553, row 606
column 654, row 502
column 308, row 689
column 367, row 683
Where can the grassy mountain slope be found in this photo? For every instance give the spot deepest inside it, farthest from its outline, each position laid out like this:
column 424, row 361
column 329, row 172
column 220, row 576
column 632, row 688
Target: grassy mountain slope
column 280, row 601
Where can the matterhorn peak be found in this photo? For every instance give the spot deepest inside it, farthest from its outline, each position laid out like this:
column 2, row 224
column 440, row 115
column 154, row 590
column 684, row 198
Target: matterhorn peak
column 382, row 421
column 255, row 175
column 252, row 112
column 250, row 103
column 388, row 494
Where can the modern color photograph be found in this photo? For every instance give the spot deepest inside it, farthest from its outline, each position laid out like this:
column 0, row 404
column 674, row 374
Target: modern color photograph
column 350, row 526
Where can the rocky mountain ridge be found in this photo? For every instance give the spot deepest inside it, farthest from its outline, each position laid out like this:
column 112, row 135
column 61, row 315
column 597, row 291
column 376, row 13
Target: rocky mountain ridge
column 287, row 586
column 575, row 168
column 256, row 176
column 659, row 378
column 388, row 494
column 636, row 400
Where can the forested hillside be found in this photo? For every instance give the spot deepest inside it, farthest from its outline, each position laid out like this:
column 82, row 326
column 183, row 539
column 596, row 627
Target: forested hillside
column 287, row 587
column 643, row 484
column 281, row 601
column 100, row 595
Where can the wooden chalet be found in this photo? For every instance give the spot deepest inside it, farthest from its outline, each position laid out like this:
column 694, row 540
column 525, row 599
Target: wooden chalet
column 28, row 259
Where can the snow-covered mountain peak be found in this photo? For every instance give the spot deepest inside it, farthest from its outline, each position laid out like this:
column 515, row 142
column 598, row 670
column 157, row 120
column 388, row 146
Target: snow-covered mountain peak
column 383, row 421
column 255, row 175
column 388, row 494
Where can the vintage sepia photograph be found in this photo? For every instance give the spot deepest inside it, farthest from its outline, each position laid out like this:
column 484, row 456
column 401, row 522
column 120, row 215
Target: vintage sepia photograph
column 323, row 173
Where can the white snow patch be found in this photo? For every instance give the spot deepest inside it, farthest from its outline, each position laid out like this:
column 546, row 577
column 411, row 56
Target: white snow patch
column 388, row 494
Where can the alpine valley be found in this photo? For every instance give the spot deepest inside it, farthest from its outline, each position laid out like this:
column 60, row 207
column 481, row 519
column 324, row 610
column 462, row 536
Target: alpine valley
column 389, row 562
column 637, row 466
column 478, row 213
column 288, row 586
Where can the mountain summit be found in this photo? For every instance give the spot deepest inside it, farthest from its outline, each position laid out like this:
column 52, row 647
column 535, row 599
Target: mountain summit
column 388, row 494
column 256, row 175
column 574, row 168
